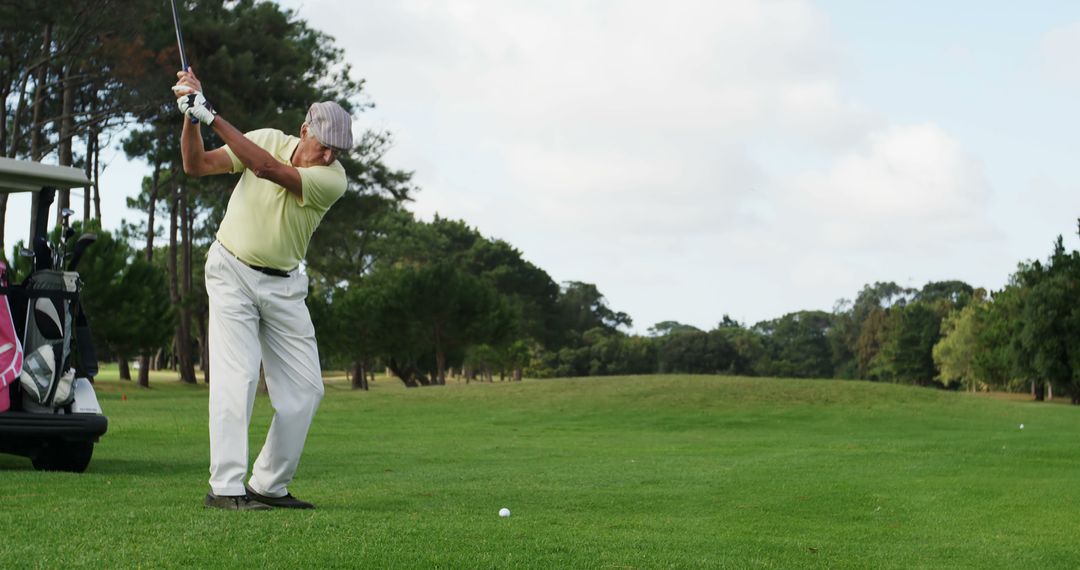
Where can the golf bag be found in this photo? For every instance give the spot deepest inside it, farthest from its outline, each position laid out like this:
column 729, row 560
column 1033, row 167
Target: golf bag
column 52, row 322
column 11, row 352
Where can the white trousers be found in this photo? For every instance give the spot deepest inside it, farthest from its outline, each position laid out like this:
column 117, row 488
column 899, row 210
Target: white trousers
column 257, row 317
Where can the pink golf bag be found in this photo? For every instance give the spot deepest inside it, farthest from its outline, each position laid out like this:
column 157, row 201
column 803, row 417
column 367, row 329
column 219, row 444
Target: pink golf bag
column 11, row 350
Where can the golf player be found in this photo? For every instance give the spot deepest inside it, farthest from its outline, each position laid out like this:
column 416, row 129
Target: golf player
column 257, row 293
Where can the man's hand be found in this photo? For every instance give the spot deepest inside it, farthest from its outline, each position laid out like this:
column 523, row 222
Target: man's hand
column 186, row 83
column 195, row 105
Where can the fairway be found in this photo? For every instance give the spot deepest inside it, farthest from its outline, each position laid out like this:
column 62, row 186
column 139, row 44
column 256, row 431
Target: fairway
column 626, row 472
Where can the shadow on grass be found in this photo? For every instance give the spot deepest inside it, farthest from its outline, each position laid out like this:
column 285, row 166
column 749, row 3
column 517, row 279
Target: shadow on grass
column 15, row 463
column 141, row 466
column 110, row 466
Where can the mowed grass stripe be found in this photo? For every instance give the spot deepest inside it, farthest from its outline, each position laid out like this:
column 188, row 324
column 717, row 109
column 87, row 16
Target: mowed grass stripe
column 638, row 472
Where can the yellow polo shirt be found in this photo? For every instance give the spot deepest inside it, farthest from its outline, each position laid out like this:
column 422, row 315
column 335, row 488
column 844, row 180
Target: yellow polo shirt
column 266, row 225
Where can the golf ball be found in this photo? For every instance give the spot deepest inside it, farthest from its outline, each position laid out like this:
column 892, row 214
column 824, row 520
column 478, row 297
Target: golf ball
column 1021, row 426
column 504, row 512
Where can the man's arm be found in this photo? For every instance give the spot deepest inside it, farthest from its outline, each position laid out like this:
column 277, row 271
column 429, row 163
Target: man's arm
column 198, row 162
column 257, row 160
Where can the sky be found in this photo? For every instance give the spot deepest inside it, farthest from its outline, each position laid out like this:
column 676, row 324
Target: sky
column 696, row 158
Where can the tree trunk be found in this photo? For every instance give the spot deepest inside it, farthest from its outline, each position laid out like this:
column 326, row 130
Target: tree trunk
column 39, row 98
column 359, row 376
column 3, row 219
column 5, row 92
column 188, row 233
column 66, row 128
column 144, row 371
column 3, row 141
column 91, row 140
column 1038, row 391
column 517, row 374
column 125, row 372
column 97, row 181
column 155, row 179
column 91, row 170
column 183, row 335
column 36, row 127
column 13, row 149
column 440, row 359
column 406, row 375
column 187, row 359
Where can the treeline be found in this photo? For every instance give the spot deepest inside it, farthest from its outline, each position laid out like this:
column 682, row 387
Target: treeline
column 946, row 334
column 437, row 299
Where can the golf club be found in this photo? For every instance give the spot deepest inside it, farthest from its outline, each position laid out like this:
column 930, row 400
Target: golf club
column 180, row 43
column 84, row 242
column 60, row 251
column 42, row 253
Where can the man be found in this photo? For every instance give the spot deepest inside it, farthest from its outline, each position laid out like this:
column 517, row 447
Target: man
column 257, row 293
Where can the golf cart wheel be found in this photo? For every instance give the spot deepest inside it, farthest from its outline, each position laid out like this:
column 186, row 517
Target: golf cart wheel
column 64, row 456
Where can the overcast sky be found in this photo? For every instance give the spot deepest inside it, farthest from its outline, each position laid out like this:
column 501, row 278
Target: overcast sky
column 749, row 157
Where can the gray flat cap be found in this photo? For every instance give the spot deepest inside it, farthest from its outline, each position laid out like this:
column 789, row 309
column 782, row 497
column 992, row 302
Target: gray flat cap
column 331, row 125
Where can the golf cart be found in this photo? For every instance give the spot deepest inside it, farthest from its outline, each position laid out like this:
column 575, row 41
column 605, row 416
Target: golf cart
column 50, row 412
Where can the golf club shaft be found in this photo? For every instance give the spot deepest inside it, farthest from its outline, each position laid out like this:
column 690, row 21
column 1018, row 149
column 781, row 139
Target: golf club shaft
column 180, row 44
column 179, row 36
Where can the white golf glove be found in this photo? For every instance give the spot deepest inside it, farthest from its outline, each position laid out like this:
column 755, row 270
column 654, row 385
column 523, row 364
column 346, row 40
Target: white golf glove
column 196, row 106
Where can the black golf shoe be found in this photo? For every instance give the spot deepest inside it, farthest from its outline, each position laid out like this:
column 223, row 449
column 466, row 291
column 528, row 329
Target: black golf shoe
column 234, row 503
column 286, row 502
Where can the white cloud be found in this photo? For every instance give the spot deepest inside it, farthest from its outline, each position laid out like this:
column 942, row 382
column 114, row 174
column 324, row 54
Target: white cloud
column 910, row 188
column 1058, row 50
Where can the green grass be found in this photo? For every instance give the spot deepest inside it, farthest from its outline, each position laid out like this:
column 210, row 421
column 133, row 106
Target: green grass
column 634, row 472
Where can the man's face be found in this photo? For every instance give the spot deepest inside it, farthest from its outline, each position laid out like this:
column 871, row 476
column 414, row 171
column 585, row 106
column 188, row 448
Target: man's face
column 310, row 152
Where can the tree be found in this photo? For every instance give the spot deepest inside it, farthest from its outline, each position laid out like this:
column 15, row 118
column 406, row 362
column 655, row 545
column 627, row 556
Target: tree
column 751, row 357
column 955, row 293
column 907, row 352
column 970, row 353
column 872, row 335
column 997, row 329
column 427, row 317
column 853, row 346
column 1048, row 343
column 798, row 345
column 954, row 354
column 665, row 328
column 581, row 307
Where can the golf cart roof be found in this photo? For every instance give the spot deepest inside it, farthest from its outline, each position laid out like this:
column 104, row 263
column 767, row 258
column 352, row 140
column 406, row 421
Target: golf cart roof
column 27, row 176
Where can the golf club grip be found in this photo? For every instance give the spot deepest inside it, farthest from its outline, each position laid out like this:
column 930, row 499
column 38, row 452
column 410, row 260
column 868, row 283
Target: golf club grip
column 193, row 120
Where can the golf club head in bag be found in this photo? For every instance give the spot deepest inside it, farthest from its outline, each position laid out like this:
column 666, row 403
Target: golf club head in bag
column 42, row 253
column 85, row 241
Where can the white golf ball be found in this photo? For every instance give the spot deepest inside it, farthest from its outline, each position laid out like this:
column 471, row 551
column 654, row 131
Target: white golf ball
column 1021, row 426
column 504, row 512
